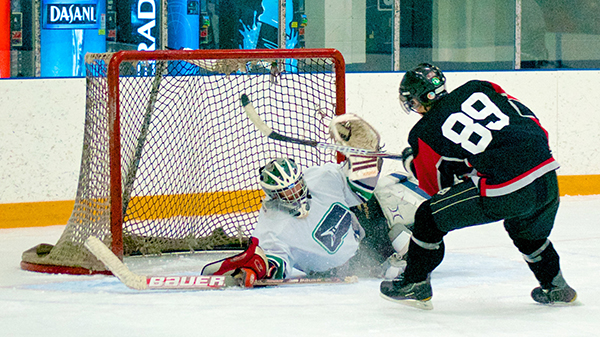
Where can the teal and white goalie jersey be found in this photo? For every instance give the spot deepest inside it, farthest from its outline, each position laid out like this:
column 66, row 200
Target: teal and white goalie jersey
column 327, row 238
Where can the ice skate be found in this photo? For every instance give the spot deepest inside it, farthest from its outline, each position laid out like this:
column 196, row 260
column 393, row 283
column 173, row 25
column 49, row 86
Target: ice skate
column 559, row 292
column 416, row 295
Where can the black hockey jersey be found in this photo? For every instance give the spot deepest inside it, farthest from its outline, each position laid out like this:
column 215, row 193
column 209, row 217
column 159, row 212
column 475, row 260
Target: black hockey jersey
column 478, row 130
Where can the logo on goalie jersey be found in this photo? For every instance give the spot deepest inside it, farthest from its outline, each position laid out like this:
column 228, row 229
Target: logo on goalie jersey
column 333, row 228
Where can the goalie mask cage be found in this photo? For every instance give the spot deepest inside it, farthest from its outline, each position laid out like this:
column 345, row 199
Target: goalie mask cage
column 170, row 161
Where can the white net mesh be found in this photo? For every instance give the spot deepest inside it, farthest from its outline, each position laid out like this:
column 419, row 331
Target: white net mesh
column 189, row 157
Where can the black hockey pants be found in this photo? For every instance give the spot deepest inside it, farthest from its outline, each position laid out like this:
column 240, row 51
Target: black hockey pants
column 528, row 215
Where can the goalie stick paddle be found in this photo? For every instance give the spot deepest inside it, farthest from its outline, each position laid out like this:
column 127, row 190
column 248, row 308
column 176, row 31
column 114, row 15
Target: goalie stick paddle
column 193, row 282
column 267, row 131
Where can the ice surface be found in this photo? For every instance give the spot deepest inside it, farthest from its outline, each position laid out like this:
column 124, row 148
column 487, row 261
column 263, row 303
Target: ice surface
column 480, row 289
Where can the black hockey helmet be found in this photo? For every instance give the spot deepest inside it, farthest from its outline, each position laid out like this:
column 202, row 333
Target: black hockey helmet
column 426, row 83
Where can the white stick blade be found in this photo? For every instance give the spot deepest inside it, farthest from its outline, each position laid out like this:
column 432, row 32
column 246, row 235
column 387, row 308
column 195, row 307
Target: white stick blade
column 112, row 262
column 253, row 116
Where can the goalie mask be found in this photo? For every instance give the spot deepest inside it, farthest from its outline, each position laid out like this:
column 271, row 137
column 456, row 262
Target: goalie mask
column 283, row 182
column 425, row 84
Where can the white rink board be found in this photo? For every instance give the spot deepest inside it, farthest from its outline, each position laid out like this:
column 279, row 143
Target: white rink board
column 41, row 123
column 221, row 110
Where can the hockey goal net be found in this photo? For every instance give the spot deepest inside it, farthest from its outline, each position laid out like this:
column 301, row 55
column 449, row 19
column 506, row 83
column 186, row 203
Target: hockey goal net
column 170, row 161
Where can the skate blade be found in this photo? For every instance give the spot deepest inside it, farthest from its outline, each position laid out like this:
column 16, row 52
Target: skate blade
column 572, row 303
column 423, row 305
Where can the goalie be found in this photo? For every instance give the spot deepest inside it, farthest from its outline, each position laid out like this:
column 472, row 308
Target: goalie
column 324, row 221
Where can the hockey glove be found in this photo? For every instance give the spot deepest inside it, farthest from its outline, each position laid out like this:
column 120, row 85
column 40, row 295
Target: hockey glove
column 277, row 267
column 351, row 130
column 407, row 161
column 247, row 267
column 244, row 277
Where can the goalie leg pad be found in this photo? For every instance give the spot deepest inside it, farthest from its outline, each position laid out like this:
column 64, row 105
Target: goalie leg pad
column 399, row 199
column 253, row 258
column 400, row 237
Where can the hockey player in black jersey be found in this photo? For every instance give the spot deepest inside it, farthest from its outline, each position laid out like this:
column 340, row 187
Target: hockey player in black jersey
column 483, row 157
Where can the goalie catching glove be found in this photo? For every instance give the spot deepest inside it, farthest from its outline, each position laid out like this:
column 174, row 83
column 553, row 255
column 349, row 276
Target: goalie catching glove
column 246, row 267
column 351, row 130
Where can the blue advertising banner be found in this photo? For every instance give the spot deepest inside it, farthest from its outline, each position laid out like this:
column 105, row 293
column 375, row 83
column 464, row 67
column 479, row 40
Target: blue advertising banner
column 183, row 24
column 61, row 14
column 69, row 30
column 145, row 24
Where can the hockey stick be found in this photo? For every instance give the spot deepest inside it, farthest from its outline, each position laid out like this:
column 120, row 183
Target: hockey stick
column 267, row 131
column 141, row 140
column 304, row 280
column 195, row 282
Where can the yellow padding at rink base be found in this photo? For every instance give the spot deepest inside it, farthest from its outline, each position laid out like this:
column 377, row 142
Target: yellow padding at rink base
column 51, row 213
column 35, row 214
column 166, row 206
column 579, row 185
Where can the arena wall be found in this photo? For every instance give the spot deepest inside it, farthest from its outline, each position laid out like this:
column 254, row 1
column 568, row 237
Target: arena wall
column 42, row 122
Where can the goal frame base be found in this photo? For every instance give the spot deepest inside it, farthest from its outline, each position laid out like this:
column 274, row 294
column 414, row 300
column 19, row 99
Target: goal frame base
column 55, row 269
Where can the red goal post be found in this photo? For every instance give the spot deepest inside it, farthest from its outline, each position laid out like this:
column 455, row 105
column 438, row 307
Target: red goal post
column 169, row 160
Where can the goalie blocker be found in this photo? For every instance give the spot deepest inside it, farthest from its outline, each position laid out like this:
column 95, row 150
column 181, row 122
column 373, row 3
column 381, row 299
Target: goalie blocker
column 246, row 268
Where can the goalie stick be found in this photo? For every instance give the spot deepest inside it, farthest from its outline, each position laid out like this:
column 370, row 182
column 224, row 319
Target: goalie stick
column 141, row 140
column 195, row 282
column 267, row 131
